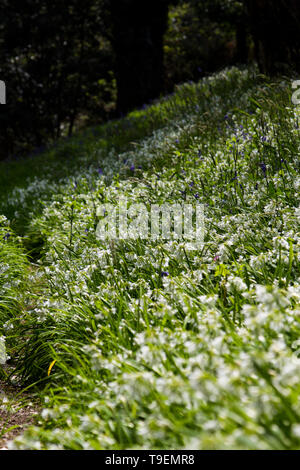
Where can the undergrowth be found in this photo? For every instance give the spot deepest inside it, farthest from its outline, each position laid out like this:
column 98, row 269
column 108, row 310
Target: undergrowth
column 143, row 343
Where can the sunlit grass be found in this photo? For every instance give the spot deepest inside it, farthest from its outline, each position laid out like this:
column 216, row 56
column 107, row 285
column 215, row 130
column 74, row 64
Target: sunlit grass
column 145, row 344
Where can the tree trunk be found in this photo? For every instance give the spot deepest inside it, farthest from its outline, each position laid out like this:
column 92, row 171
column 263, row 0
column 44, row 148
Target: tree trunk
column 275, row 28
column 241, row 42
column 138, row 29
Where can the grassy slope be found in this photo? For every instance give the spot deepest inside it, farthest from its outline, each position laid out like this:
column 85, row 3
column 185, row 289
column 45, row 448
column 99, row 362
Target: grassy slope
column 204, row 356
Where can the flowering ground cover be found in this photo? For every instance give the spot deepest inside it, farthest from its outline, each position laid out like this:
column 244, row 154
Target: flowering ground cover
column 143, row 343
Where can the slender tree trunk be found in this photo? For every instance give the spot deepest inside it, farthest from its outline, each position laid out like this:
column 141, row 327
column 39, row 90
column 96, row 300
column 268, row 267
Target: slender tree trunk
column 138, row 32
column 241, row 42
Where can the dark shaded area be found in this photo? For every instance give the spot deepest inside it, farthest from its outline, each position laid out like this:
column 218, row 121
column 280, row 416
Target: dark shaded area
column 52, row 62
column 69, row 64
column 275, row 28
column 137, row 38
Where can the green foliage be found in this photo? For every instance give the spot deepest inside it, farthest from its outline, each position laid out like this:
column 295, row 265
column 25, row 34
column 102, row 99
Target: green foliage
column 13, row 279
column 201, row 39
column 72, row 64
column 205, row 356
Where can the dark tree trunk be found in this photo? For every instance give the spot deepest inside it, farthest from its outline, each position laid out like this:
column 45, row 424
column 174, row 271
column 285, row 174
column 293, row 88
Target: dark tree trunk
column 241, row 42
column 275, row 28
column 138, row 32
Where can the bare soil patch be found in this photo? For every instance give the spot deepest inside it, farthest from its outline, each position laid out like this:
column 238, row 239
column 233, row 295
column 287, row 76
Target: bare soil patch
column 17, row 412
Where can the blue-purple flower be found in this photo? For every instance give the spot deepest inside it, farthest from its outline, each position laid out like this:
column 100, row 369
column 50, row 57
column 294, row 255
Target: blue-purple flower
column 164, row 274
column 263, row 168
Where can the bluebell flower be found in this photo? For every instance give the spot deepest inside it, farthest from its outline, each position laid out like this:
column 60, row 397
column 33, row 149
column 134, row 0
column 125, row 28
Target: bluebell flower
column 263, row 168
column 164, row 274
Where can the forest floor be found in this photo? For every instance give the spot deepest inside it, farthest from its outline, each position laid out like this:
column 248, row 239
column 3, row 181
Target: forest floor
column 17, row 411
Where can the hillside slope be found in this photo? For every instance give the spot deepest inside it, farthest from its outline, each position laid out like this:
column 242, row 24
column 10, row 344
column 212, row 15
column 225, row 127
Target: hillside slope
column 146, row 343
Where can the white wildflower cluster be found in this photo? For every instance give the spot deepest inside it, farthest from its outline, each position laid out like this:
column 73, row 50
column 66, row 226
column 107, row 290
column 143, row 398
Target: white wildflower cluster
column 164, row 346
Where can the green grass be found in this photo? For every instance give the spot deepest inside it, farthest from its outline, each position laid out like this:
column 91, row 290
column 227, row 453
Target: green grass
column 204, row 356
column 13, row 272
